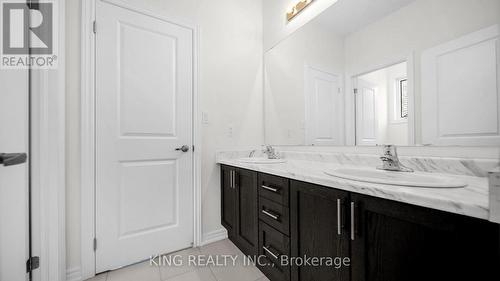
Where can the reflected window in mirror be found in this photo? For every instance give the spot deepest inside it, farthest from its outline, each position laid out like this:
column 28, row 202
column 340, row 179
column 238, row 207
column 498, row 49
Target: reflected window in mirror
column 382, row 106
column 401, row 100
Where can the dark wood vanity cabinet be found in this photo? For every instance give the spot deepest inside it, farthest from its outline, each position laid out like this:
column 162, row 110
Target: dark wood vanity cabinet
column 394, row 241
column 239, row 208
column 384, row 240
column 318, row 229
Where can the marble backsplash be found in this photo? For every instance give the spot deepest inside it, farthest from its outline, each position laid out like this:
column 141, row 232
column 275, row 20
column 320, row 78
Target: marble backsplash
column 445, row 165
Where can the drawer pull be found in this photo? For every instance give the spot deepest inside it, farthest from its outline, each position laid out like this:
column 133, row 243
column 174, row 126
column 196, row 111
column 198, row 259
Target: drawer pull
column 272, row 189
column 271, row 253
column 273, row 216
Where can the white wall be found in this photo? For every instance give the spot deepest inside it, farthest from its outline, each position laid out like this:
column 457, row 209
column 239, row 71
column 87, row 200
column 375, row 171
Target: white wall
column 420, row 25
column 389, row 131
column 276, row 25
column 230, row 88
column 314, row 46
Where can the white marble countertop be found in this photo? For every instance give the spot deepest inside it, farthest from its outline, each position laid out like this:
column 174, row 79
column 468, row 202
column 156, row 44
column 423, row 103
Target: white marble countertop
column 472, row 200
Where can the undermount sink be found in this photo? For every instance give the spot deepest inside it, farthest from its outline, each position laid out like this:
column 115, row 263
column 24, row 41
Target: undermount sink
column 261, row 160
column 397, row 178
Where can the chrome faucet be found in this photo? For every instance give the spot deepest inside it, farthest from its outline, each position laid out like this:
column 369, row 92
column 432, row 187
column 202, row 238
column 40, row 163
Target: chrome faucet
column 252, row 153
column 390, row 160
column 271, row 152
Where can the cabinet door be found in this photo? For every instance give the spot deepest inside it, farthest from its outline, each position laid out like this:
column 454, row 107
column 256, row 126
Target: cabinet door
column 316, row 230
column 395, row 241
column 247, row 230
column 228, row 200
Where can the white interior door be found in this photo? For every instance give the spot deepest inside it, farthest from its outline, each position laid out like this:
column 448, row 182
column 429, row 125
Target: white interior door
column 14, row 133
column 324, row 122
column 461, row 91
column 366, row 113
column 144, row 186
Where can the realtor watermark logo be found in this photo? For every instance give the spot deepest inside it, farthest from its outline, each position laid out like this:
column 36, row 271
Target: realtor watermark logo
column 29, row 34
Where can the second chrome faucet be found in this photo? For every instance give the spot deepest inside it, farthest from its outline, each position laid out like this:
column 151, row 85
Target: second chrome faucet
column 271, row 152
column 390, row 160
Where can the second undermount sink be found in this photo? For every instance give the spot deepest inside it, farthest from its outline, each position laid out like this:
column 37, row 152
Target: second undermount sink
column 261, row 160
column 397, row 178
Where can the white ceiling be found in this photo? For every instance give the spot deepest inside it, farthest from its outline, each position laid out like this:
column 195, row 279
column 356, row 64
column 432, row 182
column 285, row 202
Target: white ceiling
column 347, row 16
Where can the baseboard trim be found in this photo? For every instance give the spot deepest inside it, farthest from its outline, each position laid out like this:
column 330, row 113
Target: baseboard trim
column 214, row 236
column 74, row 274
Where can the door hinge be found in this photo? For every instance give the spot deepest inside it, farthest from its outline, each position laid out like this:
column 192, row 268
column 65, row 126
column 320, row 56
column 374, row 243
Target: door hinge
column 32, row 264
column 355, row 90
column 94, row 27
column 95, row 244
column 193, row 148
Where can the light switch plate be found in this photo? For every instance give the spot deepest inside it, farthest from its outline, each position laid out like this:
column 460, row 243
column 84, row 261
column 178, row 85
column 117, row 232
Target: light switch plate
column 204, row 117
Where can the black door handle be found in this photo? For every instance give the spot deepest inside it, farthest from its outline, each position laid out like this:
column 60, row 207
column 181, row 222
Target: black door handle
column 11, row 159
column 183, row 148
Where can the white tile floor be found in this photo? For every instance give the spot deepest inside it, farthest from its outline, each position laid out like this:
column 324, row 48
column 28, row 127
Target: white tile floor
column 145, row 272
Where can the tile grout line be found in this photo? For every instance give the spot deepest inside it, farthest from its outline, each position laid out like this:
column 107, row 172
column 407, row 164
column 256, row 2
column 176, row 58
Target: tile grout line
column 159, row 270
column 213, row 274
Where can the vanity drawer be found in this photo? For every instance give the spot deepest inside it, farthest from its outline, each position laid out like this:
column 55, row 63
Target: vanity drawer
column 274, row 188
column 272, row 245
column 275, row 215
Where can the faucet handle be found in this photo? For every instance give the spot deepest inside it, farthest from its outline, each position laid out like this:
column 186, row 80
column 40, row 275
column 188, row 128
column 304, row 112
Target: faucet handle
column 386, row 159
column 390, row 150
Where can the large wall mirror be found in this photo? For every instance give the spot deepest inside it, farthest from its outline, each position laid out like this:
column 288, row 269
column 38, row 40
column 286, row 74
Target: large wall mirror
column 406, row 72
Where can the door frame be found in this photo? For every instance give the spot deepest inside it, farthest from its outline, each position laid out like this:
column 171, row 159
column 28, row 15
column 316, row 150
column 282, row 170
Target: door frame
column 88, row 266
column 350, row 105
column 48, row 163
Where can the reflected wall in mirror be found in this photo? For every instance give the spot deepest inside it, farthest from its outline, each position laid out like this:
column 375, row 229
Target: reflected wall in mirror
column 303, row 90
column 417, row 66
column 381, row 101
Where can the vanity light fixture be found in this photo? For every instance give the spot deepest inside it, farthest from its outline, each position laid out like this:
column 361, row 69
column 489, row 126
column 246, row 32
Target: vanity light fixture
column 297, row 8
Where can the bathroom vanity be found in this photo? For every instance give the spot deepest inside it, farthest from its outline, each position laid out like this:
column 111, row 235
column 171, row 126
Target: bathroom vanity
column 287, row 210
column 343, row 82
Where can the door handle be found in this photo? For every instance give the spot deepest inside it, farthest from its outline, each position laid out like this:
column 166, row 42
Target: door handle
column 11, row 159
column 183, row 148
